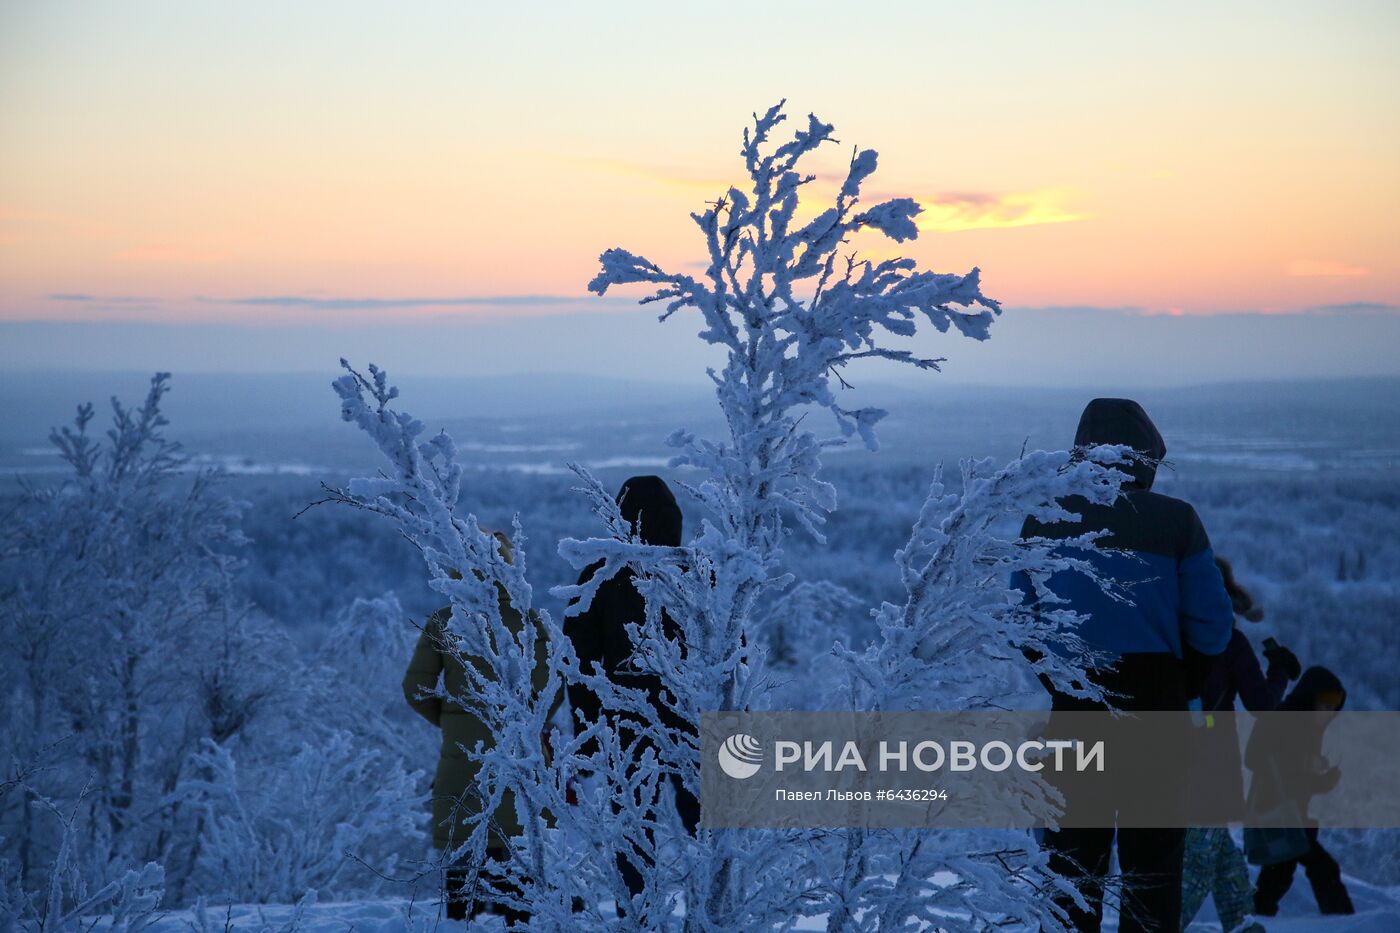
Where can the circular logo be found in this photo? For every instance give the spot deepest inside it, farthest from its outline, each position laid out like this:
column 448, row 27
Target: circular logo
column 741, row 756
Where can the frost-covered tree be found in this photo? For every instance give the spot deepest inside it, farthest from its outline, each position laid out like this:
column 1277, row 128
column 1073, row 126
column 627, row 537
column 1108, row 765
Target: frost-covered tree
column 790, row 310
column 785, row 346
column 116, row 574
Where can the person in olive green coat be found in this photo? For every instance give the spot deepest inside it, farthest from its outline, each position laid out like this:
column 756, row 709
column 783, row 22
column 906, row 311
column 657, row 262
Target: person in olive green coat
column 454, row 782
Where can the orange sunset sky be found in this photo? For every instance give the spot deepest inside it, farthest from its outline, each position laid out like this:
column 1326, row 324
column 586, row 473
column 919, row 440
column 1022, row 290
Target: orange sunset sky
column 266, row 162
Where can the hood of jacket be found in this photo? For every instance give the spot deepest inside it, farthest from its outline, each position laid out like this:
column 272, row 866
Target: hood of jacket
column 1123, row 421
column 648, row 503
column 1315, row 682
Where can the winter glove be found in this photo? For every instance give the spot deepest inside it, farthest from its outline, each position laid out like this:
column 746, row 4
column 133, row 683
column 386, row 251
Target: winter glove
column 1285, row 660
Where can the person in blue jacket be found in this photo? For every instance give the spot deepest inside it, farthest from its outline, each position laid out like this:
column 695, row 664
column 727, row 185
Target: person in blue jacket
column 1157, row 553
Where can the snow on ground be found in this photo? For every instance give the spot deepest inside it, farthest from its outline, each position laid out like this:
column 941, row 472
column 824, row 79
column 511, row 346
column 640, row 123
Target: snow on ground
column 1378, row 911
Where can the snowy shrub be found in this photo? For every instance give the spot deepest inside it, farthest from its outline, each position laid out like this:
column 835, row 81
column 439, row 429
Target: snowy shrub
column 68, row 898
column 790, row 311
column 275, row 834
column 807, row 613
column 132, row 670
column 362, row 662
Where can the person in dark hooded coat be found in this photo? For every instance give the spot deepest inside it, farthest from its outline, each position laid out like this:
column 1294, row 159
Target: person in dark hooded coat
column 600, row 639
column 1157, row 552
column 1289, row 753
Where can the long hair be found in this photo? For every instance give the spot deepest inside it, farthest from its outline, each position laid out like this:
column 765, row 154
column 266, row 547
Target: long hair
column 1240, row 599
